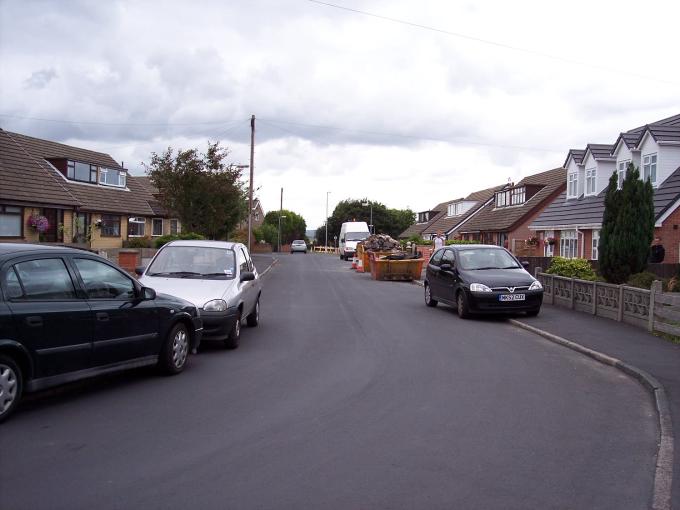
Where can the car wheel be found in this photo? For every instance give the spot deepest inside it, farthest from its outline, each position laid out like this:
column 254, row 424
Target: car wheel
column 533, row 313
column 254, row 318
column 342, row 257
column 234, row 337
column 462, row 305
column 175, row 350
column 11, row 386
column 428, row 296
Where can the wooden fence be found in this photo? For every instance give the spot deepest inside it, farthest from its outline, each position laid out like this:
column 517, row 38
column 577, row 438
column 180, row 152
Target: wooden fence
column 652, row 309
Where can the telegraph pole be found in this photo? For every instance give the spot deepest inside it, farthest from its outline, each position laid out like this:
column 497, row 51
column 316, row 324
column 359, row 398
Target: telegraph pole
column 280, row 213
column 250, row 188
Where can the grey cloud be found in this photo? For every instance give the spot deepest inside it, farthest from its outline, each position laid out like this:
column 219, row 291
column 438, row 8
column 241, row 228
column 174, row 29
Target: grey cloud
column 40, row 79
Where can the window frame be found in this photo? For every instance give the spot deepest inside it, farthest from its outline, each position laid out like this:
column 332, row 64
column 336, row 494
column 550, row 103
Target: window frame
column 121, row 174
column 621, row 171
column 116, row 220
column 20, row 214
column 176, row 226
column 572, row 179
column 569, row 244
column 647, row 167
column 595, row 245
column 11, row 265
column 83, row 285
column 135, row 220
column 591, row 181
column 153, row 226
column 518, row 195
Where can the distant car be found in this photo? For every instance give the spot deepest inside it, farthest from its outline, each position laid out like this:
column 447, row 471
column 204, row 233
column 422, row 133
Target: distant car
column 218, row 277
column 298, row 245
column 481, row 279
column 67, row 314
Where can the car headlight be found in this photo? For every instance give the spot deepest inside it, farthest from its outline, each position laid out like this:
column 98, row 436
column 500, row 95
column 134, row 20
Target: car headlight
column 479, row 287
column 216, row 305
column 536, row 286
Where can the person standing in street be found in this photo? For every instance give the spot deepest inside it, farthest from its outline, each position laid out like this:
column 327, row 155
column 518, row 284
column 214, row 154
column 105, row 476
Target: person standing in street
column 438, row 240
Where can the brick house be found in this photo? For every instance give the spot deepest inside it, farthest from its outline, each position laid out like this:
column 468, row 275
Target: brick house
column 505, row 218
column 574, row 219
column 423, row 220
column 87, row 198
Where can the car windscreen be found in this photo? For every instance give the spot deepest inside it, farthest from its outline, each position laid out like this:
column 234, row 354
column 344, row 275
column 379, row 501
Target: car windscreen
column 299, row 242
column 486, row 258
column 194, row 262
column 356, row 236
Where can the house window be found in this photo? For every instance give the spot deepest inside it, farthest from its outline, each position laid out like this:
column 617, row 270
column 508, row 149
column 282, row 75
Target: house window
column 548, row 248
column 111, row 177
column 572, row 185
column 136, row 227
column 649, row 168
column 518, row 195
column 595, row 252
column 621, row 172
column 174, row 227
column 257, row 216
column 157, row 227
column 591, row 179
column 568, row 244
column 10, row 221
column 83, row 172
column 110, row 226
column 502, row 199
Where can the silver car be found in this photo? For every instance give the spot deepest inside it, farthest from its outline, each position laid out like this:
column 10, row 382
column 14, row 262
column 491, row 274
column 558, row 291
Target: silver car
column 298, row 245
column 218, row 277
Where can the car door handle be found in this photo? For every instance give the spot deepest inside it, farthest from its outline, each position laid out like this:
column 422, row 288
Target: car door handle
column 102, row 316
column 34, row 321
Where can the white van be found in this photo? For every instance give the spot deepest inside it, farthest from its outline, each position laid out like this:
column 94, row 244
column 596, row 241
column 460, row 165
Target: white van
column 351, row 233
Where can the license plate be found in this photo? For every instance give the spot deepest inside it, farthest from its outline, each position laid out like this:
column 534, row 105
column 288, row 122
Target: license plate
column 512, row 297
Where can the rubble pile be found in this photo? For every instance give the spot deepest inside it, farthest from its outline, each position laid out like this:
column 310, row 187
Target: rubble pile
column 381, row 242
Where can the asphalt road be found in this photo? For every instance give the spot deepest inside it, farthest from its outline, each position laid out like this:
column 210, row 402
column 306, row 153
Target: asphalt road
column 350, row 395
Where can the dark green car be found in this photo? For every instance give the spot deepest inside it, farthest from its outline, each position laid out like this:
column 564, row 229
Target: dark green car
column 68, row 314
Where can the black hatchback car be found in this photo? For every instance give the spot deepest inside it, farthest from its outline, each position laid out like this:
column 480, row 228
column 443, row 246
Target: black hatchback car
column 68, row 314
column 478, row 278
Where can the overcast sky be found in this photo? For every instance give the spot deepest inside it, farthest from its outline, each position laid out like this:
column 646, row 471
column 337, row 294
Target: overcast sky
column 441, row 99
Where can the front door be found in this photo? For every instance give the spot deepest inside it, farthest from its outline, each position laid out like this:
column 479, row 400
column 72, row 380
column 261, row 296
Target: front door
column 54, row 323
column 125, row 327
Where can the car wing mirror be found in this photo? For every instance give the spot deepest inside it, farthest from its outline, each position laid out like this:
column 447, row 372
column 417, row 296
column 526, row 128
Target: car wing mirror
column 445, row 266
column 247, row 276
column 525, row 263
column 139, row 270
column 148, row 293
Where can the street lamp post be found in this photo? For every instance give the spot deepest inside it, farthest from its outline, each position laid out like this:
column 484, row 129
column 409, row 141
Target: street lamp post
column 280, row 216
column 327, row 193
column 370, row 225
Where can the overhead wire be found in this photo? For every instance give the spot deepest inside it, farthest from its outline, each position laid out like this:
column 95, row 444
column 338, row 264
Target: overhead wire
column 497, row 44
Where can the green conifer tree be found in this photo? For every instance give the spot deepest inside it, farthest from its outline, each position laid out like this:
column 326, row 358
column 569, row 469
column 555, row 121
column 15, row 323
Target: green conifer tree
column 607, row 254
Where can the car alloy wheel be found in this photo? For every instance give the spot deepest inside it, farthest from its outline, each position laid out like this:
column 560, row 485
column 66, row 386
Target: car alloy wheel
column 428, row 297
column 254, row 318
column 10, row 386
column 180, row 348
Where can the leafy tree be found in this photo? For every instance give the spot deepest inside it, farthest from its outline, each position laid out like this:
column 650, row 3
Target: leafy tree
column 201, row 189
column 385, row 221
column 267, row 233
column 628, row 227
column 293, row 226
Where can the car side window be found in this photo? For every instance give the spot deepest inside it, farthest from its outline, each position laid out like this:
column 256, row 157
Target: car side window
column 437, row 257
column 242, row 260
column 43, row 280
column 251, row 266
column 103, row 281
column 13, row 286
column 449, row 257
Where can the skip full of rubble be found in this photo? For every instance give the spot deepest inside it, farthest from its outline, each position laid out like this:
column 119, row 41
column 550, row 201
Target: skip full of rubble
column 381, row 242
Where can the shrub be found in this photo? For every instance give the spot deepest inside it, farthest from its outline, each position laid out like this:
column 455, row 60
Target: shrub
column 460, row 241
column 642, row 280
column 138, row 242
column 160, row 241
column 572, row 268
column 419, row 240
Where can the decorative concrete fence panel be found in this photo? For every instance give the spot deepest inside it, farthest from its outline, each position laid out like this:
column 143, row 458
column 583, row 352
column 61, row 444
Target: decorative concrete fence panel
column 617, row 302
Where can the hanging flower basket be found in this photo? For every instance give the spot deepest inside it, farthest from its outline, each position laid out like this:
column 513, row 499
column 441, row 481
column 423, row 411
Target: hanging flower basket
column 39, row 223
column 98, row 224
column 549, row 241
column 532, row 241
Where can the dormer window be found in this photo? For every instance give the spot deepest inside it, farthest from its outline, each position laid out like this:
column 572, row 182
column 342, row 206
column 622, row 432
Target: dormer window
column 621, row 172
column 423, row 217
column 112, row 177
column 513, row 196
column 649, row 168
column 591, row 181
column 83, row 172
column 572, row 185
column 459, row 208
